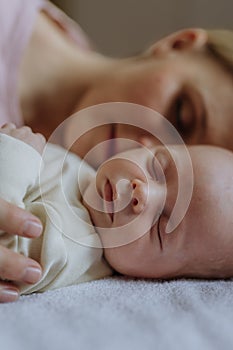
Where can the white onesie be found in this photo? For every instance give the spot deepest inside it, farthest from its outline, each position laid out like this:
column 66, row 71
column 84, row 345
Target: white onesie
column 69, row 250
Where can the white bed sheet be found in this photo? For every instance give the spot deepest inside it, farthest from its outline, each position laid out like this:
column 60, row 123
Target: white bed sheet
column 122, row 313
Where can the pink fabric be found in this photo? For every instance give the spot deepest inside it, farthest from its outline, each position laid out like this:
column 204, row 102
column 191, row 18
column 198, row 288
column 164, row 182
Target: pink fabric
column 17, row 18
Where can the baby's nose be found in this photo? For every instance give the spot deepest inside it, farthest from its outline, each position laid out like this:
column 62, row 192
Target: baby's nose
column 139, row 195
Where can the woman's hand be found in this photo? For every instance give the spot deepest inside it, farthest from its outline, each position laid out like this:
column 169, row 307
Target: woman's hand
column 15, row 267
column 25, row 134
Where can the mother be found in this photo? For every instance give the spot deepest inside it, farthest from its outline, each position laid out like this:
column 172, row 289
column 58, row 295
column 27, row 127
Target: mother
column 48, row 71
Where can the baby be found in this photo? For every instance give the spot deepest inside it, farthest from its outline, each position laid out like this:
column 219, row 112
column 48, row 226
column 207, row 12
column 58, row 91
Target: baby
column 200, row 246
column 117, row 218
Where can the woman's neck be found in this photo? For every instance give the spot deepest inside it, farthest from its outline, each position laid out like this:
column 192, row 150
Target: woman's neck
column 54, row 75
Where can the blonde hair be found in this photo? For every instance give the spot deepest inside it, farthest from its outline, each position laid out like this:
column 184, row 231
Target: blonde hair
column 220, row 45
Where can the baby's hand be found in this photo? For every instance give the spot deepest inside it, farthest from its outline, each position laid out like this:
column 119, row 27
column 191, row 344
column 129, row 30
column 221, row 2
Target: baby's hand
column 25, row 134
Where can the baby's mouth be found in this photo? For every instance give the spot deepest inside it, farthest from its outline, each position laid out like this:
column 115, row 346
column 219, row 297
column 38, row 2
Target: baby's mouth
column 108, row 199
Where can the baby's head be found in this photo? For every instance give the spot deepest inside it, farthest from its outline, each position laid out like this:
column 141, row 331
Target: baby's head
column 200, row 246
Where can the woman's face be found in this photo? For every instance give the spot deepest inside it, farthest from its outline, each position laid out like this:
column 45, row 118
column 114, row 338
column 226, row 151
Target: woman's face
column 192, row 90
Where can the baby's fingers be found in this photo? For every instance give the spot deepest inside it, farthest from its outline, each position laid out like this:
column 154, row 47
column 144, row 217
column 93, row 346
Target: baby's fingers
column 8, row 126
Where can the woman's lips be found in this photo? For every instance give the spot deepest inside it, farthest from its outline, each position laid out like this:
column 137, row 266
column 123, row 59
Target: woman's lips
column 108, row 198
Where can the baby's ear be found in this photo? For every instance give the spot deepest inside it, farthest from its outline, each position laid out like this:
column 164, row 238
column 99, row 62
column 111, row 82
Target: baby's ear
column 186, row 39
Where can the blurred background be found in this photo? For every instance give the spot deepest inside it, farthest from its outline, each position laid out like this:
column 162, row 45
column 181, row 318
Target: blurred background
column 125, row 27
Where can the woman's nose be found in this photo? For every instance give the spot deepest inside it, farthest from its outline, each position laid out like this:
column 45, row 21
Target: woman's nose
column 139, row 195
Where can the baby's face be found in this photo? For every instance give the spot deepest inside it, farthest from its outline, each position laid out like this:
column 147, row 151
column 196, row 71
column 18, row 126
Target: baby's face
column 140, row 188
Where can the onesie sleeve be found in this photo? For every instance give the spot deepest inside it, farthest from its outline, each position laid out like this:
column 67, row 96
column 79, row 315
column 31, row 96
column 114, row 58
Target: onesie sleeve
column 19, row 169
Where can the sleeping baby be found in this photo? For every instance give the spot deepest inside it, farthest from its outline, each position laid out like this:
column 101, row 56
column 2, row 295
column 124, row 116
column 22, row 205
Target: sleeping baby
column 115, row 219
column 200, row 246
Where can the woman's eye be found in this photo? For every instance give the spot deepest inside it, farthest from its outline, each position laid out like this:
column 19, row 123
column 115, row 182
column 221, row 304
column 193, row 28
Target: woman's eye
column 184, row 115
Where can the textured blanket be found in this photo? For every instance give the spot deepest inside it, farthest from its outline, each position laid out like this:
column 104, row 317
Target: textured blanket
column 120, row 313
